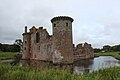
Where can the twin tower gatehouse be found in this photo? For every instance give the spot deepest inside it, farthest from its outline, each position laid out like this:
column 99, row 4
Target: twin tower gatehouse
column 57, row 48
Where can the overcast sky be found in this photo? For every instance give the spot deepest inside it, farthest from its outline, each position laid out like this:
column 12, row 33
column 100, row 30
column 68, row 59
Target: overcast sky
column 95, row 21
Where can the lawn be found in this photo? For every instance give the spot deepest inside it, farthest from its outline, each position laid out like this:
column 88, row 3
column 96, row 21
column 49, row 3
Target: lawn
column 11, row 55
column 8, row 55
column 27, row 73
column 114, row 54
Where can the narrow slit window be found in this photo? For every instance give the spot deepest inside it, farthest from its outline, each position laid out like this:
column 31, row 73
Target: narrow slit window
column 25, row 42
column 37, row 37
column 25, row 48
column 54, row 25
column 66, row 24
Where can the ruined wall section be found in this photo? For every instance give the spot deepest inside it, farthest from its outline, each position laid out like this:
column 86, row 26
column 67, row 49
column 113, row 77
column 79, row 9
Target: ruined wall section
column 89, row 51
column 41, row 45
column 44, row 51
column 83, row 51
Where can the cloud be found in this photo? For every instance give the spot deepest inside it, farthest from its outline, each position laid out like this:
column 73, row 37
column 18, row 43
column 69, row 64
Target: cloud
column 16, row 14
column 95, row 21
column 98, row 34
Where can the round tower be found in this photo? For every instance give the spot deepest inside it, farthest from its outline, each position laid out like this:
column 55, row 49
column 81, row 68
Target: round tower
column 26, row 44
column 62, row 34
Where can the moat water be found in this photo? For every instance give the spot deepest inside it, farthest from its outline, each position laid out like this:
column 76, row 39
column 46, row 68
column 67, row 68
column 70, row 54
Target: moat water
column 81, row 66
column 96, row 64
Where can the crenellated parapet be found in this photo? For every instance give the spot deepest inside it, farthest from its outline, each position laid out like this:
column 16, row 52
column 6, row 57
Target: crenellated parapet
column 61, row 18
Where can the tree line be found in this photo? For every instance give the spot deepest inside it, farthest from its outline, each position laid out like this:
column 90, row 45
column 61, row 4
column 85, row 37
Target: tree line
column 9, row 48
column 15, row 47
column 108, row 48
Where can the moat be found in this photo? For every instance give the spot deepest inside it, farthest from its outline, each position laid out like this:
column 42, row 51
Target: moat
column 81, row 66
column 96, row 64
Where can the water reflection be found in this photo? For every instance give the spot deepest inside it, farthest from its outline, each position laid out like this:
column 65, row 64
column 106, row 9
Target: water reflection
column 45, row 64
column 82, row 66
column 87, row 65
column 103, row 62
column 96, row 64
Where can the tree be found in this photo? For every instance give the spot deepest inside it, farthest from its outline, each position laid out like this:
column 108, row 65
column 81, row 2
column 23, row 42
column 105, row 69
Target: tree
column 0, row 47
column 115, row 48
column 15, row 48
column 19, row 43
column 106, row 48
column 96, row 50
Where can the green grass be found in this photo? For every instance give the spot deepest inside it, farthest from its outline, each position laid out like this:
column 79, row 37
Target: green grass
column 7, row 55
column 114, row 54
column 28, row 73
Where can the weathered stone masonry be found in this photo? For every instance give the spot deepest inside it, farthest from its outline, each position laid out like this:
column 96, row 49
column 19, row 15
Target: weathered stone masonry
column 57, row 48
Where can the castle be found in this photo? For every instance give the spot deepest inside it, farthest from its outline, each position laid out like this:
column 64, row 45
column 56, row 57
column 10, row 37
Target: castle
column 56, row 48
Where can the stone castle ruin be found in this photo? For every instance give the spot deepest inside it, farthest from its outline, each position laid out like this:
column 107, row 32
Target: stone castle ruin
column 56, row 48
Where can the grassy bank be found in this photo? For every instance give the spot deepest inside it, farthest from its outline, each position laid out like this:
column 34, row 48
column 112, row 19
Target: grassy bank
column 27, row 73
column 114, row 54
column 7, row 55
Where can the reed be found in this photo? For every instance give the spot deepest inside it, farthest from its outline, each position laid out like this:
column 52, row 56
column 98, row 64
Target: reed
column 28, row 73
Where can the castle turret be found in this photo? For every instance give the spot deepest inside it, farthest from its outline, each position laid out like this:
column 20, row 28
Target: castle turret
column 26, row 44
column 62, row 33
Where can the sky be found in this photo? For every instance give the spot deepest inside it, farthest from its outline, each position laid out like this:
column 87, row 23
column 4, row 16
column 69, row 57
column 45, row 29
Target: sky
column 95, row 21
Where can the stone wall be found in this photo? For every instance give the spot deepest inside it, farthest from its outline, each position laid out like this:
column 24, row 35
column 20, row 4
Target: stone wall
column 41, row 45
column 83, row 51
column 57, row 48
column 62, row 33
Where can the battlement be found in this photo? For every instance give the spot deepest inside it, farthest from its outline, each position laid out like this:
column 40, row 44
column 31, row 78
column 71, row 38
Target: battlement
column 61, row 18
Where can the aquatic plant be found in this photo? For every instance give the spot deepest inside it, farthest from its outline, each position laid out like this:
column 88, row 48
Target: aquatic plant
column 29, row 73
